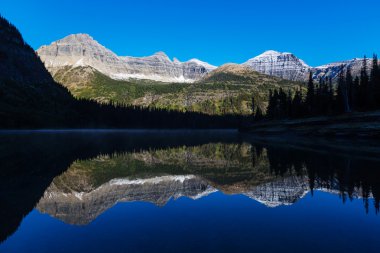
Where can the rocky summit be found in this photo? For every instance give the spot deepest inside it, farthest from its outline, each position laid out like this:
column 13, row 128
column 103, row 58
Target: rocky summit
column 283, row 65
column 82, row 50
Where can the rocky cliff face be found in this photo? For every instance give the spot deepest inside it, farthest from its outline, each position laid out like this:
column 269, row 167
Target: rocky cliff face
column 82, row 50
column 283, row 65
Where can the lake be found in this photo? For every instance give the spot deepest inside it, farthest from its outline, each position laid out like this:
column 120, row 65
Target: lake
column 186, row 191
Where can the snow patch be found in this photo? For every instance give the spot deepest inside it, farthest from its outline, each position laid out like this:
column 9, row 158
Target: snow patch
column 155, row 180
column 204, row 64
column 123, row 76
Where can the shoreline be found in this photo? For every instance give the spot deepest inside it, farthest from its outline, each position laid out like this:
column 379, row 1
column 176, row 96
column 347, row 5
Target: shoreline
column 353, row 125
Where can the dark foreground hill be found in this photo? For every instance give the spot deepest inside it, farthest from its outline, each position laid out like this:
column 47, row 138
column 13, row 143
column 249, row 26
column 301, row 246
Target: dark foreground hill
column 28, row 94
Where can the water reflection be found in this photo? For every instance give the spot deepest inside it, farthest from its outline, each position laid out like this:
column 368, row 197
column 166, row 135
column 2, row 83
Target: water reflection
column 75, row 177
column 270, row 175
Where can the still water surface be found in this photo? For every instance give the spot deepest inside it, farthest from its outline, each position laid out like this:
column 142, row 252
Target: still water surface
column 178, row 191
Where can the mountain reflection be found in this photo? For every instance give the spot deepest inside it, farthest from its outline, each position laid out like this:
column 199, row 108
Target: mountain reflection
column 75, row 177
column 269, row 175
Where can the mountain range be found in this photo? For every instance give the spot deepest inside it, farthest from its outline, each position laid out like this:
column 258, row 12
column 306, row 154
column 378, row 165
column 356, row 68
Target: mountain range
column 91, row 71
column 81, row 50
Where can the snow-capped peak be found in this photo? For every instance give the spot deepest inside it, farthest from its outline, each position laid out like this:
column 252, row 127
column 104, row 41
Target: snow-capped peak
column 269, row 53
column 273, row 54
column 283, row 65
column 202, row 63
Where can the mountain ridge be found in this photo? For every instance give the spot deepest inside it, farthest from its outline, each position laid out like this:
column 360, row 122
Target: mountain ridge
column 83, row 50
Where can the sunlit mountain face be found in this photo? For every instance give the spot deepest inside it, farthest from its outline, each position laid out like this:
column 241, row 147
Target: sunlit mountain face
column 96, row 180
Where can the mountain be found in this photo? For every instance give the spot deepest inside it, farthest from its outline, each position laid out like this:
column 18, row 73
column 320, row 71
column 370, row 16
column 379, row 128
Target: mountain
column 290, row 67
column 283, row 65
column 81, row 50
column 333, row 69
column 28, row 94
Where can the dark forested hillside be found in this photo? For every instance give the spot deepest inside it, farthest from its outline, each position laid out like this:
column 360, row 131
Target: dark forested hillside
column 28, row 94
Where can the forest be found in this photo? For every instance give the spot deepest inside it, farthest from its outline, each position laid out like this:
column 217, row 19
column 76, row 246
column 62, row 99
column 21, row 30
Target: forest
column 327, row 98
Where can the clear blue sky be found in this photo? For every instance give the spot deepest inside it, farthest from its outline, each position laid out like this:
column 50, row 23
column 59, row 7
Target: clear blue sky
column 215, row 31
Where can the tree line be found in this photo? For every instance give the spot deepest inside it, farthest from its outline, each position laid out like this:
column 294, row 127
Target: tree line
column 347, row 94
column 117, row 115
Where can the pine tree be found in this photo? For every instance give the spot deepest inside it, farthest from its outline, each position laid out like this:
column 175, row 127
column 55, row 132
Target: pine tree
column 339, row 100
column 364, row 86
column 253, row 106
column 276, row 104
column 297, row 105
column 355, row 93
column 270, row 108
column 375, row 82
column 331, row 96
column 282, row 107
column 347, row 90
column 310, row 94
column 259, row 114
column 289, row 107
